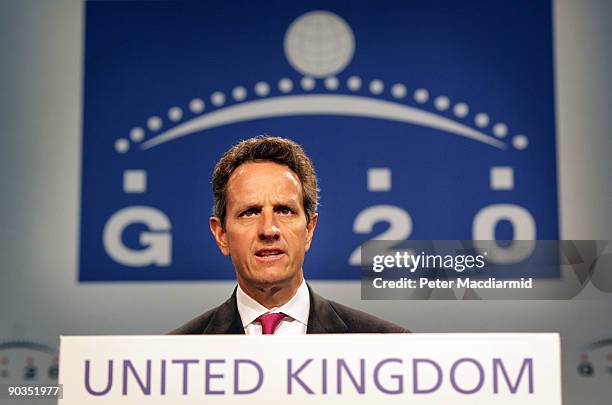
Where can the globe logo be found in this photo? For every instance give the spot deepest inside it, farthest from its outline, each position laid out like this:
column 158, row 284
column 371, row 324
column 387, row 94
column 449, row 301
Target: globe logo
column 319, row 44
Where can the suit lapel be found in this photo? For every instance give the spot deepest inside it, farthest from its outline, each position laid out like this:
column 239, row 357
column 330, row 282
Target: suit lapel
column 226, row 319
column 322, row 317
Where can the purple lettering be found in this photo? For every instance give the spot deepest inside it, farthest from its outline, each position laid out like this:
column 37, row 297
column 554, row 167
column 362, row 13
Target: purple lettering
column 499, row 364
column 109, row 379
column 360, row 387
column 146, row 388
column 324, row 376
column 415, row 376
column 185, row 364
column 209, row 376
column 291, row 376
column 162, row 386
column 237, row 389
column 398, row 377
column 480, row 375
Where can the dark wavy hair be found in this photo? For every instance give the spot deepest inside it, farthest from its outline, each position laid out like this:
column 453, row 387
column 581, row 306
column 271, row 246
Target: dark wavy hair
column 266, row 148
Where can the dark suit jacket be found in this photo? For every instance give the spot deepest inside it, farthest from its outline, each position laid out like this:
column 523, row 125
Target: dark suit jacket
column 324, row 317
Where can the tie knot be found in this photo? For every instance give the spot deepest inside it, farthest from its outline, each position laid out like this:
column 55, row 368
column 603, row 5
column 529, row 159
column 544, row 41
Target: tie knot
column 269, row 322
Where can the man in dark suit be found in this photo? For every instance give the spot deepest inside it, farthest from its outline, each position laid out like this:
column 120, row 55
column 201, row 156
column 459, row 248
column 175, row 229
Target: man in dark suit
column 265, row 214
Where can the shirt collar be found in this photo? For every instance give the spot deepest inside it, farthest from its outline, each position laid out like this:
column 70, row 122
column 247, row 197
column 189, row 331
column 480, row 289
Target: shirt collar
column 296, row 308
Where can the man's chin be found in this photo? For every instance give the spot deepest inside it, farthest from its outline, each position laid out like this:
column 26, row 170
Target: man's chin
column 268, row 279
column 271, row 282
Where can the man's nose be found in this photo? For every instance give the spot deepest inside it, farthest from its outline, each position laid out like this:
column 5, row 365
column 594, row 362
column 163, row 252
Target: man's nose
column 269, row 229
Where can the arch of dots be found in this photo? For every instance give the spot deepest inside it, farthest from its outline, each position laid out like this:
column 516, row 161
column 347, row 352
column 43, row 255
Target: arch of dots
column 376, row 87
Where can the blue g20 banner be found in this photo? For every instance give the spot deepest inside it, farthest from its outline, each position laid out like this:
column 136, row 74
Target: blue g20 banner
column 425, row 120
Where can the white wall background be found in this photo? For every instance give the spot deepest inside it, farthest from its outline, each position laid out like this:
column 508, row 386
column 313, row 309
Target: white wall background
column 40, row 120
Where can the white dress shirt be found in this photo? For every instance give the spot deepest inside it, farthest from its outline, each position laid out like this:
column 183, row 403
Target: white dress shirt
column 296, row 309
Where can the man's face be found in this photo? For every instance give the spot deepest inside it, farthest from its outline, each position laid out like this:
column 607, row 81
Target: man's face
column 266, row 234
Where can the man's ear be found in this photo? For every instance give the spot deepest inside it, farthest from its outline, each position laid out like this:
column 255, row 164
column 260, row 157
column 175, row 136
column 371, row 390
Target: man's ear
column 310, row 229
column 216, row 227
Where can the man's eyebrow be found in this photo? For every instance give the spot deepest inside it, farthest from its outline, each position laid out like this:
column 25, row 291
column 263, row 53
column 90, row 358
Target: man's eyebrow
column 246, row 206
column 290, row 203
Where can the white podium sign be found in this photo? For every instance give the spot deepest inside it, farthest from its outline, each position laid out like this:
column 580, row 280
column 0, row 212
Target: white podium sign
column 312, row 369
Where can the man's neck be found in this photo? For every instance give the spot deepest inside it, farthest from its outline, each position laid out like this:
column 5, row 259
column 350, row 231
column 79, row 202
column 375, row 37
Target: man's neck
column 272, row 296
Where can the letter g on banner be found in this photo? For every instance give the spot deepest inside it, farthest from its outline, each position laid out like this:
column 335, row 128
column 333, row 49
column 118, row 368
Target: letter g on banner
column 157, row 244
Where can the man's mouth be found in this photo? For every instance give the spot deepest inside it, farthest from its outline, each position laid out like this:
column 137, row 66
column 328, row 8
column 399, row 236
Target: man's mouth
column 269, row 254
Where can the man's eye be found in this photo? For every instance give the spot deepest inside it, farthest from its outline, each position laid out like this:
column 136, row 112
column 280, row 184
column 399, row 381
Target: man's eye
column 285, row 211
column 248, row 213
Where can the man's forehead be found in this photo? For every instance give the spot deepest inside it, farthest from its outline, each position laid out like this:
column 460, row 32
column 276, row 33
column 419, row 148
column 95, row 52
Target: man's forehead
column 264, row 171
column 252, row 180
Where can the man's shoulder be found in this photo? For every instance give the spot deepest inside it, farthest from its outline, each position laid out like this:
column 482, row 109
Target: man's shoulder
column 361, row 322
column 197, row 325
column 327, row 316
column 223, row 319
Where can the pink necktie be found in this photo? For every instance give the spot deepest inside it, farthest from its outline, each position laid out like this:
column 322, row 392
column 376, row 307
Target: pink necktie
column 269, row 322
